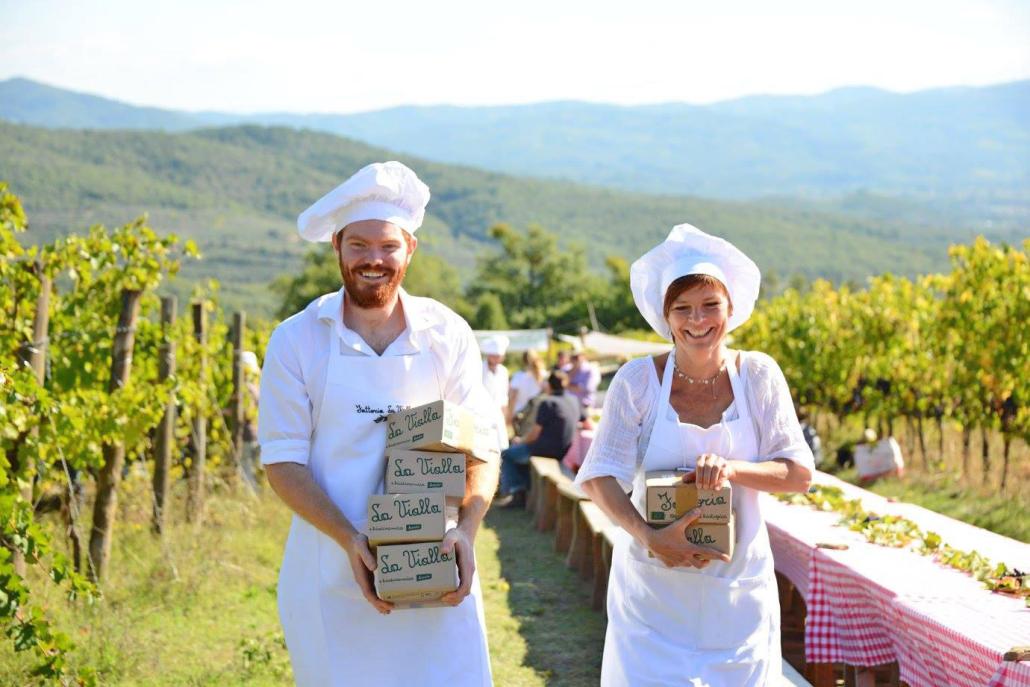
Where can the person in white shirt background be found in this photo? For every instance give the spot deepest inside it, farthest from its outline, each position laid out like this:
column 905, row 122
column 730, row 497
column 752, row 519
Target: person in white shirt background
column 526, row 384
column 331, row 375
column 687, row 614
column 495, row 374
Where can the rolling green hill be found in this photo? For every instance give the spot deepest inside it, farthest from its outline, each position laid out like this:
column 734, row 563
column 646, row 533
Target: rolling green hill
column 961, row 152
column 238, row 190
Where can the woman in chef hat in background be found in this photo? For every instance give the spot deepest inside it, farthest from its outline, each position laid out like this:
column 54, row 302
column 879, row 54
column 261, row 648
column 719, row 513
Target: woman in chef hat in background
column 686, row 614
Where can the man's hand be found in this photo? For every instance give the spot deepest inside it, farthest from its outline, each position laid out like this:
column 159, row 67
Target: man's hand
column 711, row 472
column 363, row 565
column 456, row 542
column 670, row 545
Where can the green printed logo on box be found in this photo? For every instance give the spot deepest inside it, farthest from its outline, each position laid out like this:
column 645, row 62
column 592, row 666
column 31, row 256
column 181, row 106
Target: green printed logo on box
column 413, row 526
column 416, row 437
column 657, row 515
column 423, row 576
column 434, row 485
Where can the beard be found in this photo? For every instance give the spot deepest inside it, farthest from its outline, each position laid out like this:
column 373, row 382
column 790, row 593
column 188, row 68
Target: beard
column 371, row 295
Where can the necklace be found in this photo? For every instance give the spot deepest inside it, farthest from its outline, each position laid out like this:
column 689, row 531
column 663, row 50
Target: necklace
column 704, row 382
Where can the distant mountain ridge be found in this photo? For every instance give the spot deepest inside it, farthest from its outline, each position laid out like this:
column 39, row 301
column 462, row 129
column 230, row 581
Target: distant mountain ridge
column 237, row 191
column 966, row 148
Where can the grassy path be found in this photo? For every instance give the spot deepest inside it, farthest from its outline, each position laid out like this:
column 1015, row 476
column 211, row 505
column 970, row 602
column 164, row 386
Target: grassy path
column 201, row 609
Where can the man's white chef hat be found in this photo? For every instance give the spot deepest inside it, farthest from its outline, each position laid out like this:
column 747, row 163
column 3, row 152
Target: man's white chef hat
column 495, row 345
column 688, row 250
column 387, row 191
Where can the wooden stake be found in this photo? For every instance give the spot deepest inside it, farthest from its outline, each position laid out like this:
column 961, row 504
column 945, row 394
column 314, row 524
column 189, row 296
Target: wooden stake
column 165, row 430
column 195, row 499
column 106, row 504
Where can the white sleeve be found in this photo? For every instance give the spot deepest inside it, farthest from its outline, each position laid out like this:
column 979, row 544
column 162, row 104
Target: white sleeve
column 779, row 432
column 614, row 450
column 284, row 410
column 464, row 385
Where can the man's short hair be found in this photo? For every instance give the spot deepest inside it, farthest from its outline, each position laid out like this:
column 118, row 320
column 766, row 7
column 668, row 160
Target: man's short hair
column 558, row 380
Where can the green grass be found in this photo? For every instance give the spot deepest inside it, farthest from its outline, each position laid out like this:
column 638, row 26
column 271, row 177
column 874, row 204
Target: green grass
column 201, row 609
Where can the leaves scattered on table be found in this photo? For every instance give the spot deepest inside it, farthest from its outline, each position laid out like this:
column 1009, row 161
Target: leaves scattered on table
column 899, row 532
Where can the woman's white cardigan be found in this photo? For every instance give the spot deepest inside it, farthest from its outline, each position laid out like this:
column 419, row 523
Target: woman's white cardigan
column 631, row 405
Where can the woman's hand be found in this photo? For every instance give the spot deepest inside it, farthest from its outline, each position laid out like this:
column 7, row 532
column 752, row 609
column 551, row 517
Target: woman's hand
column 711, row 472
column 670, row 545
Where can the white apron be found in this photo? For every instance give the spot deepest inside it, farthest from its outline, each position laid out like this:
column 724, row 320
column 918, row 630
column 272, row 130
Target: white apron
column 334, row 636
column 719, row 626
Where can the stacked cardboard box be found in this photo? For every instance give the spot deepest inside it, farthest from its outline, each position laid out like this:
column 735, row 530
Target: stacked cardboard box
column 426, row 457
column 668, row 498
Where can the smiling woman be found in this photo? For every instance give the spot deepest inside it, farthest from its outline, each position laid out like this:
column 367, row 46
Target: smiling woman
column 680, row 612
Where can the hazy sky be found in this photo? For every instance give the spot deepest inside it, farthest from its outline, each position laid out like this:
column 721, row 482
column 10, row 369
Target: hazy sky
column 346, row 56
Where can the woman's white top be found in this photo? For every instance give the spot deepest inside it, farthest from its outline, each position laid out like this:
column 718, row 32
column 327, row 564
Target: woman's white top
column 631, row 403
column 526, row 387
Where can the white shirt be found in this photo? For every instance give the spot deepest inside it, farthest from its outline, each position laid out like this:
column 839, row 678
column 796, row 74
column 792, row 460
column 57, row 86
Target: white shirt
column 630, row 407
column 296, row 359
column 496, row 383
column 525, row 388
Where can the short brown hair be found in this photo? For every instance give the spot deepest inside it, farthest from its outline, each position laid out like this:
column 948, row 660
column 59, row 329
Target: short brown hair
column 688, row 282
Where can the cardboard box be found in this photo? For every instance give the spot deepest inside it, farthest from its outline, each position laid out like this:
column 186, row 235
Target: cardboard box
column 395, row 518
column 442, row 426
column 668, row 498
column 425, row 472
column 718, row 537
column 414, row 573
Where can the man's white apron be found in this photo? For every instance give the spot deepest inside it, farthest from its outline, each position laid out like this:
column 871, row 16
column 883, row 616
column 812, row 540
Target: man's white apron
column 335, row 637
column 719, row 626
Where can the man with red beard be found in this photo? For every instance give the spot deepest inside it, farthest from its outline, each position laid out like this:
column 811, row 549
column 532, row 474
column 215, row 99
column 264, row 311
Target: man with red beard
column 332, row 373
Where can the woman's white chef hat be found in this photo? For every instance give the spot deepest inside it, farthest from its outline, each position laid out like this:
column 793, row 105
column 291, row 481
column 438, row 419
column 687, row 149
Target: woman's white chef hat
column 387, row 191
column 688, row 250
column 495, row 345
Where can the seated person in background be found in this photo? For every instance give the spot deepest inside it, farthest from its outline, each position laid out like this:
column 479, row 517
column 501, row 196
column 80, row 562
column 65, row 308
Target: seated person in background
column 557, row 419
column 811, row 436
column 846, row 452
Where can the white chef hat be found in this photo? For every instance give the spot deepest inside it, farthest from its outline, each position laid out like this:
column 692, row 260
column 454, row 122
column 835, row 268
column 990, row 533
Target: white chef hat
column 387, row 191
column 495, row 345
column 250, row 361
column 688, row 250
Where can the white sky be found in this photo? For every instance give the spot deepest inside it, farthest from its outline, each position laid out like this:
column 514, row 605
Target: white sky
column 352, row 55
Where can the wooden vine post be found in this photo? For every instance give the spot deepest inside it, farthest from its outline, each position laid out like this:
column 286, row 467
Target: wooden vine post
column 165, row 439
column 105, row 506
column 236, row 416
column 195, row 498
column 33, row 354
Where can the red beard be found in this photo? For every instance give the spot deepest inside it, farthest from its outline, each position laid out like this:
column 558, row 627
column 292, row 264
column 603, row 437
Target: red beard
column 371, row 296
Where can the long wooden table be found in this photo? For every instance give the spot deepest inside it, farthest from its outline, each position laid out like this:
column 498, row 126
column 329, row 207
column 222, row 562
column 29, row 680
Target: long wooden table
column 870, row 605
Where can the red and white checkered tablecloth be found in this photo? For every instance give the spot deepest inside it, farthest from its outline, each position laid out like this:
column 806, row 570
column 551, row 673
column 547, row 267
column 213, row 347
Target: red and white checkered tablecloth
column 961, row 642
column 853, row 597
column 577, row 452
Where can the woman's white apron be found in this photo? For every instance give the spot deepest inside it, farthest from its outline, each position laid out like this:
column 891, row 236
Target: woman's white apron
column 335, row 637
column 683, row 626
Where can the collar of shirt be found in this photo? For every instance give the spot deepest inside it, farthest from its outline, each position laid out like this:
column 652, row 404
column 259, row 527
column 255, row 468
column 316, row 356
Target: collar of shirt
column 417, row 318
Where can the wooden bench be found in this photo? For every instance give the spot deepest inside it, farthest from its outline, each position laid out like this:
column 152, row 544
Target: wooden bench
column 542, row 500
column 569, row 496
column 600, row 532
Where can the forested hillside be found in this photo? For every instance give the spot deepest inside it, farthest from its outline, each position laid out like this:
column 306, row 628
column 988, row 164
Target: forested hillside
column 237, row 191
column 962, row 152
